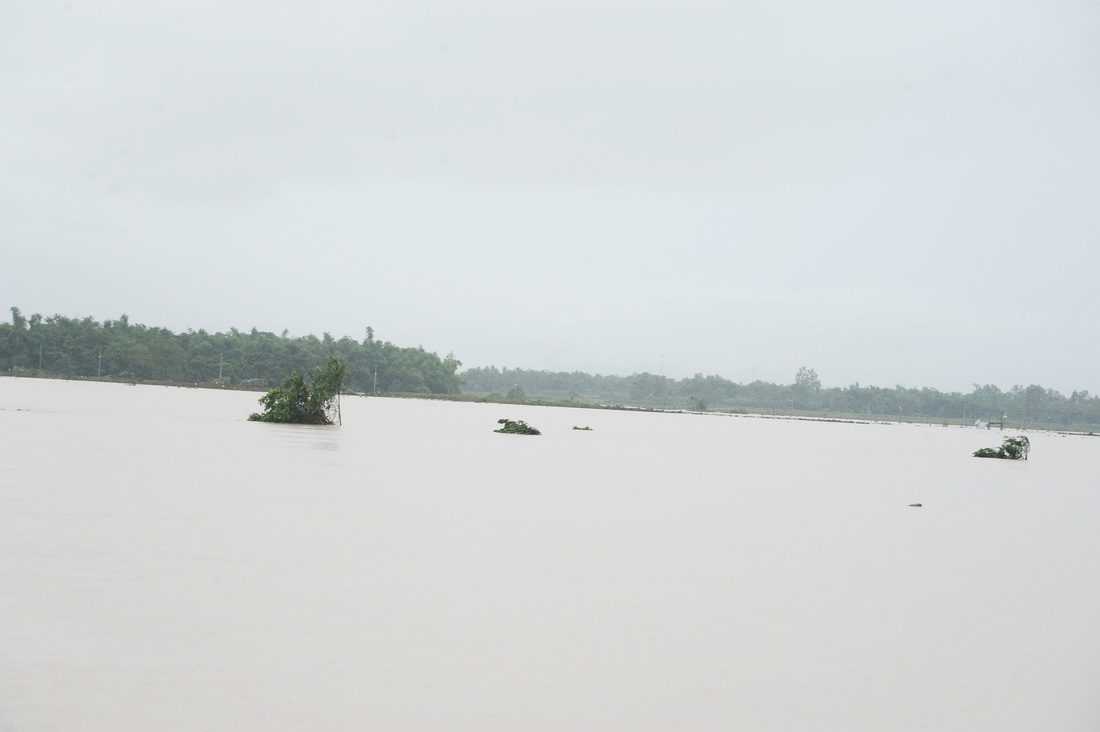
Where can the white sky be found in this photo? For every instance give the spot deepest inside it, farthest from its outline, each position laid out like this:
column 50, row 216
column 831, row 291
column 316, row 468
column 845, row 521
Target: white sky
column 889, row 193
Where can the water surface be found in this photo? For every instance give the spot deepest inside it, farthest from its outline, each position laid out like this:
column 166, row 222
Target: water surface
column 165, row 564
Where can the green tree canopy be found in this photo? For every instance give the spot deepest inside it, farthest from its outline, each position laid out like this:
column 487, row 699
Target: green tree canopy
column 296, row 402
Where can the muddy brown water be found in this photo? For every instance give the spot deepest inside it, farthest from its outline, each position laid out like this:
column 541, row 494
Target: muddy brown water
column 166, row 564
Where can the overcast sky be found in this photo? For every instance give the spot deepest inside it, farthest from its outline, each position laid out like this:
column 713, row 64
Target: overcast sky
column 889, row 193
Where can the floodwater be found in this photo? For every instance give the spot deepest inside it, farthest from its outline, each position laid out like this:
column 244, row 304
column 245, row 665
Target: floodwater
column 167, row 565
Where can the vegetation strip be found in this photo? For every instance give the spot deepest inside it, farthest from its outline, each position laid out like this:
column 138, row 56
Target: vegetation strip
column 118, row 350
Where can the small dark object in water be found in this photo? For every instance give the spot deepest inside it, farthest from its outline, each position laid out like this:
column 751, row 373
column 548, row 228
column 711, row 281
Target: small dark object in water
column 583, row 429
column 915, row 505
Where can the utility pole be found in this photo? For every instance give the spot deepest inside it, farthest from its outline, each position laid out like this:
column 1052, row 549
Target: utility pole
column 375, row 379
column 99, row 367
column 220, row 361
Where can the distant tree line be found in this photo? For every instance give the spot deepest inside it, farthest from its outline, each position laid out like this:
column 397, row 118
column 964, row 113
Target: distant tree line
column 1025, row 406
column 119, row 349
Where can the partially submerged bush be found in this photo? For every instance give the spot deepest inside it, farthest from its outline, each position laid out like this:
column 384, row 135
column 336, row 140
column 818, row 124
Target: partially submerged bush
column 296, row 403
column 516, row 427
column 1013, row 448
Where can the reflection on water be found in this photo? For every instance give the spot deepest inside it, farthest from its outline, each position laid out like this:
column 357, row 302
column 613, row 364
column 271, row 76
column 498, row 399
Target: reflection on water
column 306, row 437
column 165, row 564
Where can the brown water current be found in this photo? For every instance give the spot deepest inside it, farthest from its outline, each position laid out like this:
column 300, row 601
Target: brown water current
column 167, row 565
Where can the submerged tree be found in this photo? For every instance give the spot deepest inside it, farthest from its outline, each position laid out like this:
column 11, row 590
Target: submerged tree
column 1013, row 448
column 297, row 403
column 516, row 427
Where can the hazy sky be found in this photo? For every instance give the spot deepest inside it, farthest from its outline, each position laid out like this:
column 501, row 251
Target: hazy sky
column 889, row 193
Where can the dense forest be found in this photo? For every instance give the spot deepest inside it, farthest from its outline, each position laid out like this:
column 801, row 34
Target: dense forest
column 119, row 349
column 1031, row 406
column 58, row 346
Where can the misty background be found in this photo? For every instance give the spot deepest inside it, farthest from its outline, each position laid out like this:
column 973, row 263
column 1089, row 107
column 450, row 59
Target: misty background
column 898, row 193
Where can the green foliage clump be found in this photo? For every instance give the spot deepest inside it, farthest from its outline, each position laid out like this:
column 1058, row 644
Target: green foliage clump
column 516, row 427
column 296, row 403
column 1013, row 448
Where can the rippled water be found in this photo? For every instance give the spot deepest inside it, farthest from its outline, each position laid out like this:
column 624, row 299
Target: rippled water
column 167, row 565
